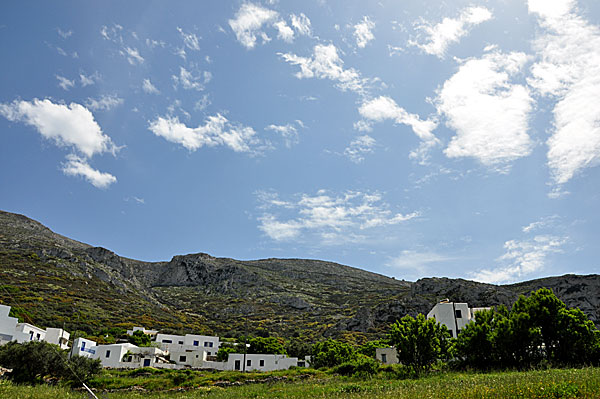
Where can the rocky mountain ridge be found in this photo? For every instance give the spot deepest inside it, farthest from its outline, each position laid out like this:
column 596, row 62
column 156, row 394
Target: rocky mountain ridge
column 55, row 280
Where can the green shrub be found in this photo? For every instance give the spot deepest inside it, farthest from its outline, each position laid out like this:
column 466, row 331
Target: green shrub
column 363, row 366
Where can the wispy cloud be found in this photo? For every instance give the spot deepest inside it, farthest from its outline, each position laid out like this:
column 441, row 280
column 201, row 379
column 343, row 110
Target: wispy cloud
column 104, row 103
column 284, row 32
column 217, row 131
column 190, row 40
column 325, row 63
column 65, row 83
column 149, row 88
column 301, row 23
column 133, row 55
column 489, row 113
column 568, row 71
column 359, row 147
column 384, row 108
column 436, row 38
column 189, row 81
column 330, row 219
column 363, row 32
column 416, row 264
column 88, row 80
column 289, row 132
column 64, row 34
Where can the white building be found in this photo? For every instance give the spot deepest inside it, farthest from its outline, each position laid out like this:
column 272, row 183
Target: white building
column 151, row 333
column 8, row 326
column 26, row 332
column 57, row 336
column 121, row 355
column 262, row 362
column 84, row 347
column 455, row 316
column 189, row 342
column 387, row 355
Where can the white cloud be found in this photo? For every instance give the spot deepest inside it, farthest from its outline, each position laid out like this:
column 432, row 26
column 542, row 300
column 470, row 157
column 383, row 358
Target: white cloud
column 216, row 131
column 78, row 166
column 67, row 126
column 489, row 113
column 330, row 219
column 65, row 83
column 285, row 33
column 359, row 147
column 288, row 132
column 521, row 259
column 568, row 71
column 190, row 40
column 133, row 55
column 88, row 80
column 541, row 224
column 149, row 88
column 104, row 103
column 440, row 36
column 190, row 82
column 112, row 33
column 301, row 23
column 64, row 34
column 363, row 32
column 70, row 125
column 248, row 22
column 416, row 264
column 325, row 63
column 203, row 103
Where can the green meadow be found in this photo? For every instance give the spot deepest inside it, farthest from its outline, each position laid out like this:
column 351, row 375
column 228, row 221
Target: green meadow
column 151, row 384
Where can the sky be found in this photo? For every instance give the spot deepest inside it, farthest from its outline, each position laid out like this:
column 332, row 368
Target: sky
column 413, row 139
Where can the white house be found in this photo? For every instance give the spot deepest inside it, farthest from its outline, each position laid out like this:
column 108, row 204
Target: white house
column 189, row 342
column 151, row 333
column 8, row 326
column 455, row 316
column 387, row 355
column 57, row 336
column 26, row 332
column 262, row 362
column 84, row 347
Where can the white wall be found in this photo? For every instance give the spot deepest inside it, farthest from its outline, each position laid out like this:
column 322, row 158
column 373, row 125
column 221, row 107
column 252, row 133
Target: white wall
column 453, row 315
column 29, row 332
column 57, row 336
column 8, row 325
column 84, row 347
column 181, row 343
column 387, row 355
column 260, row 362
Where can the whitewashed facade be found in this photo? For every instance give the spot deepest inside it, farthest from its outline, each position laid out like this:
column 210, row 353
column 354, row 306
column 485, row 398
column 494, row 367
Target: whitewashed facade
column 387, row 355
column 455, row 316
column 262, row 362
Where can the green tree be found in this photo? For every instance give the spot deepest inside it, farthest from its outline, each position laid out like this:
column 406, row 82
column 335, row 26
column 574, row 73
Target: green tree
column 138, row 338
column 80, row 369
column 225, row 349
column 369, row 347
column 298, row 347
column 32, row 361
column 474, row 345
column 267, row 345
column 420, row 342
column 332, row 353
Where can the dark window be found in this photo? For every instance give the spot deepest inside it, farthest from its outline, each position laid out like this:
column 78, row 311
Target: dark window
column 108, row 353
column 458, row 314
column 167, row 341
column 180, row 342
column 196, row 343
column 451, row 333
column 182, row 358
column 208, row 353
column 237, row 365
column 261, row 363
column 458, row 332
column 38, row 336
column 248, row 363
column 301, row 364
column 383, row 358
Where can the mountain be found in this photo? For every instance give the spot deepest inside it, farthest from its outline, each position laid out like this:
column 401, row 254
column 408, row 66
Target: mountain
column 54, row 281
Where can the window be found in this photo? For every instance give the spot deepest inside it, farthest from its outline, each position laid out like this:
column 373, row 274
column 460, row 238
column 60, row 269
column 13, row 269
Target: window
column 107, row 353
column 451, row 332
column 458, row 313
column 208, row 344
column 248, row 363
column 182, row 358
column 301, row 364
column 196, row 343
column 37, row 336
column 383, row 358
column 180, row 342
column 261, row 363
column 167, row 341
column 237, row 365
column 83, row 345
column 208, row 353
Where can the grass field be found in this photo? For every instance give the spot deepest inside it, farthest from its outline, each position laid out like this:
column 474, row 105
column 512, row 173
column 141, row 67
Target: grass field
column 563, row 383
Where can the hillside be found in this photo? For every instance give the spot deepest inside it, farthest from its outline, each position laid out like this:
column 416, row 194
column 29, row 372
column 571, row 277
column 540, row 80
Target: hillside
column 52, row 280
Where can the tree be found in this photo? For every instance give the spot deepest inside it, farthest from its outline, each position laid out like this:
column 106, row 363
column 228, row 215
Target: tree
column 32, row 361
column 298, row 347
column 138, row 338
column 331, row 353
column 369, row 348
column 80, row 369
column 267, row 345
column 420, row 342
column 474, row 344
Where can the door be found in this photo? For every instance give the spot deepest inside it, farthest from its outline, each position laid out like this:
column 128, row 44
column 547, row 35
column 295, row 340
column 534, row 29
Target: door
column 237, row 365
column 146, row 362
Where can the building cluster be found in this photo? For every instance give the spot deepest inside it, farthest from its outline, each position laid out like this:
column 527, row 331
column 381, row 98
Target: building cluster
column 197, row 351
column 166, row 350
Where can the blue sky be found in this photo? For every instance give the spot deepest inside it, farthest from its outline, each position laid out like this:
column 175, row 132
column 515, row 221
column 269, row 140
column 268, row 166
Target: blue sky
column 455, row 139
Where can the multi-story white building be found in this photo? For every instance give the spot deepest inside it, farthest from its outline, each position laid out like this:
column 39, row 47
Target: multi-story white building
column 12, row 330
column 455, row 316
column 57, row 336
column 189, row 342
column 124, row 355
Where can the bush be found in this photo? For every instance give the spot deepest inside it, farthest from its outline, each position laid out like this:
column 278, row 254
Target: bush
column 363, row 366
column 34, row 361
column 332, row 353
